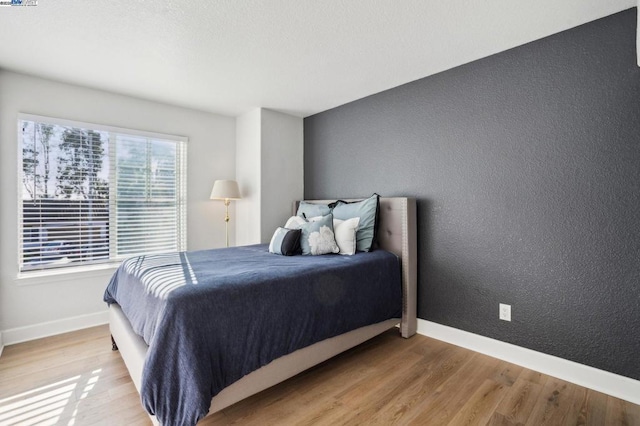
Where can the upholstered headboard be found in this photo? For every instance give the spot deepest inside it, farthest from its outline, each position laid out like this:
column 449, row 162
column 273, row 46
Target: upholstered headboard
column 397, row 233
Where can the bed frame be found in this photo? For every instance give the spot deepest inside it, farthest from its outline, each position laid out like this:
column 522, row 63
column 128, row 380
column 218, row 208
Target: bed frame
column 396, row 233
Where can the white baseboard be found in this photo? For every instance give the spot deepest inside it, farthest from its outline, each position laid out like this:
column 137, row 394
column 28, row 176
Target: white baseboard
column 46, row 329
column 599, row 380
column 602, row 381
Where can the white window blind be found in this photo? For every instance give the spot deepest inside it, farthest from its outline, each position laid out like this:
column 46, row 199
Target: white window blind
column 92, row 194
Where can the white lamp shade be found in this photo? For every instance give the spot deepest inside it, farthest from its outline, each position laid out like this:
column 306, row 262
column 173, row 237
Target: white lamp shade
column 225, row 190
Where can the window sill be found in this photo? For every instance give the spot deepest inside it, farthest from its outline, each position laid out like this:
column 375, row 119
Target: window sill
column 66, row 274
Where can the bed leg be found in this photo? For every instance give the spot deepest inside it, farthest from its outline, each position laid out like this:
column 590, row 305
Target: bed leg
column 114, row 347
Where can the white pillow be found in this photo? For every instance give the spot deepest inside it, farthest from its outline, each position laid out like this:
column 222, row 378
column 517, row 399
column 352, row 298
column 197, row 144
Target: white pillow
column 295, row 222
column 345, row 234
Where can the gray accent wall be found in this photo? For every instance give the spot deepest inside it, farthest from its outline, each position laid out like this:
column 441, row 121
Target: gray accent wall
column 526, row 167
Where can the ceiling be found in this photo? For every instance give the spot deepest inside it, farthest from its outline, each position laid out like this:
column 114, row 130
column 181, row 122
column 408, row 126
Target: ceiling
column 296, row 56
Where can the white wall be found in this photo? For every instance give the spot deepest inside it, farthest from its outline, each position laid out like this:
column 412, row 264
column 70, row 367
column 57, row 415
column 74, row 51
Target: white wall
column 269, row 164
column 247, row 218
column 32, row 305
column 282, row 169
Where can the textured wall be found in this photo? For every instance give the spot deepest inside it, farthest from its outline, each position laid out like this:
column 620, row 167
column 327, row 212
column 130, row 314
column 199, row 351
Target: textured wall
column 526, row 166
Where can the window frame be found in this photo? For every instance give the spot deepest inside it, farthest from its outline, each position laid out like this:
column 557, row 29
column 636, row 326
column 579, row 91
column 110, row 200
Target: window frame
column 111, row 263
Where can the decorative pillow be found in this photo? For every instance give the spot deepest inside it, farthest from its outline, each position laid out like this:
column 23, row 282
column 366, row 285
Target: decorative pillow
column 295, row 222
column 345, row 232
column 318, row 238
column 308, row 210
column 367, row 211
column 285, row 241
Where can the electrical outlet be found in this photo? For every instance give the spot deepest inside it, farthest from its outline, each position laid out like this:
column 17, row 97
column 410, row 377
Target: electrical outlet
column 505, row 312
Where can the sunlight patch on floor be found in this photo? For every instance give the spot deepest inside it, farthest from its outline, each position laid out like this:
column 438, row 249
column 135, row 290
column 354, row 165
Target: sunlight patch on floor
column 49, row 404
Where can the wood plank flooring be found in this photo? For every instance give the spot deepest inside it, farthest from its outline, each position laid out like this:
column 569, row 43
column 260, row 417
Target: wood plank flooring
column 75, row 379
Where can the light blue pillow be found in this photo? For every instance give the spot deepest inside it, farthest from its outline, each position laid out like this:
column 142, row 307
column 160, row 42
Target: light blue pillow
column 318, row 237
column 309, row 210
column 367, row 211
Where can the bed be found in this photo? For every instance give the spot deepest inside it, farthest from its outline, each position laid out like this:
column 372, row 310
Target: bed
column 396, row 233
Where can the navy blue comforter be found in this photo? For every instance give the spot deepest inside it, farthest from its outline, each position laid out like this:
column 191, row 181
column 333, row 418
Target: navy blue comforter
column 212, row 316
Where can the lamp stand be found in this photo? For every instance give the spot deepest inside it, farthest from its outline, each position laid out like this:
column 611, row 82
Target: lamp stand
column 226, row 219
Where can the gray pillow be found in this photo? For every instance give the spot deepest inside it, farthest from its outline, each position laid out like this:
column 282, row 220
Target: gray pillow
column 318, row 237
column 309, row 210
column 367, row 211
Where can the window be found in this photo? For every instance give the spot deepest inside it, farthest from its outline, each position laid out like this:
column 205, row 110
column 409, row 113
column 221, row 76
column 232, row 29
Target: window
column 94, row 194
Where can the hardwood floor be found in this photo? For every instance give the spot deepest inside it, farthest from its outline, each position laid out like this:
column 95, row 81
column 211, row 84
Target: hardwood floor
column 75, row 379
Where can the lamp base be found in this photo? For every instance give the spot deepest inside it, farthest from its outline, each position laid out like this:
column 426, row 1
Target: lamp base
column 226, row 220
